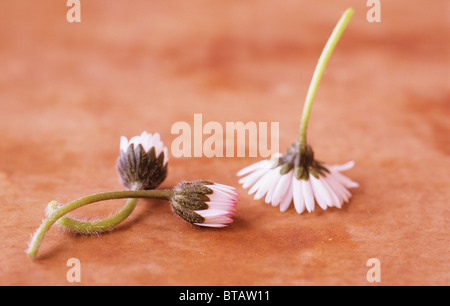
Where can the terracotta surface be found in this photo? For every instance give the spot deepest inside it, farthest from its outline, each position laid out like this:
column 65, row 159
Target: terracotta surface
column 68, row 91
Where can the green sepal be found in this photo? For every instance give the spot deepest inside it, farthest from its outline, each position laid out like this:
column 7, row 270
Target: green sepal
column 314, row 172
column 192, row 202
column 137, row 167
column 197, row 187
column 301, row 159
column 286, row 168
column 188, row 215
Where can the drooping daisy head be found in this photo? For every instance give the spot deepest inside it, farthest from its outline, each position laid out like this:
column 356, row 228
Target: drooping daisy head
column 297, row 177
column 142, row 162
column 205, row 203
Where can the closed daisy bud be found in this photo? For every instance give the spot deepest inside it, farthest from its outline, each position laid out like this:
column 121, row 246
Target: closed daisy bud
column 142, row 163
column 204, row 203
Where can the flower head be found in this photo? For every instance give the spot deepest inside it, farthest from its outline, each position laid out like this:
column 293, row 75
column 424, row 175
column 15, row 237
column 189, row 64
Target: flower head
column 204, row 203
column 296, row 175
column 299, row 178
column 142, row 161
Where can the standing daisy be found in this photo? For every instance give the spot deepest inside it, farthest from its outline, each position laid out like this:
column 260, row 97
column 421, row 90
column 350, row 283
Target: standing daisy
column 142, row 163
column 296, row 175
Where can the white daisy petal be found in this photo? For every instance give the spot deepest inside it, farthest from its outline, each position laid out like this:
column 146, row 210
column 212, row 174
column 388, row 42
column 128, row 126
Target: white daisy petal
column 218, row 225
column 166, row 156
column 276, row 180
column 267, row 182
column 330, row 189
column 221, row 192
column 338, row 188
column 321, row 193
column 284, row 183
column 213, row 213
column 147, row 141
column 156, row 137
column 299, row 201
column 252, row 167
column 308, row 195
column 225, row 188
column 287, row 199
column 334, row 197
column 216, row 197
column 251, row 179
column 318, row 197
column 345, row 180
column 343, row 167
column 123, row 144
column 260, row 182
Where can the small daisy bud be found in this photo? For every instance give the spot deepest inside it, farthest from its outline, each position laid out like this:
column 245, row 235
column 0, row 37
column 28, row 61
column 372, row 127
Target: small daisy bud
column 204, row 203
column 142, row 163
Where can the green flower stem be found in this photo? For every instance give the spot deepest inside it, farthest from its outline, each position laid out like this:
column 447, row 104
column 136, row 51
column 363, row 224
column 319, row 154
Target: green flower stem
column 55, row 215
column 323, row 60
column 98, row 226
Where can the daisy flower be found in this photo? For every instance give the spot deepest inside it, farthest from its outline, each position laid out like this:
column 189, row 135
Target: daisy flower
column 319, row 183
column 297, row 176
column 142, row 165
column 142, row 161
column 204, row 203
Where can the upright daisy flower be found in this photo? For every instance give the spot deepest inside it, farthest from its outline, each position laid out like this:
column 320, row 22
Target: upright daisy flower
column 204, row 203
column 142, row 163
column 297, row 176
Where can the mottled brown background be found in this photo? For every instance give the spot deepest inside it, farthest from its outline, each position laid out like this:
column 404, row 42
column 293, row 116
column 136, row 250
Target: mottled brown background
column 69, row 91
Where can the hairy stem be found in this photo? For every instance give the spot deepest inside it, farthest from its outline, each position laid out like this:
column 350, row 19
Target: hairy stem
column 60, row 212
column 98, row 226
column 94, row 227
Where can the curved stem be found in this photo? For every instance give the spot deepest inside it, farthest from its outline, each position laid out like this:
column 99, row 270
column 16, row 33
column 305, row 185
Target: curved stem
column 323, row 60
column 97, row 226
column 54, row 216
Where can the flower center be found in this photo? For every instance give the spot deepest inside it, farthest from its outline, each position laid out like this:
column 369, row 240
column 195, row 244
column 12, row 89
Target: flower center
column 301, row 159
